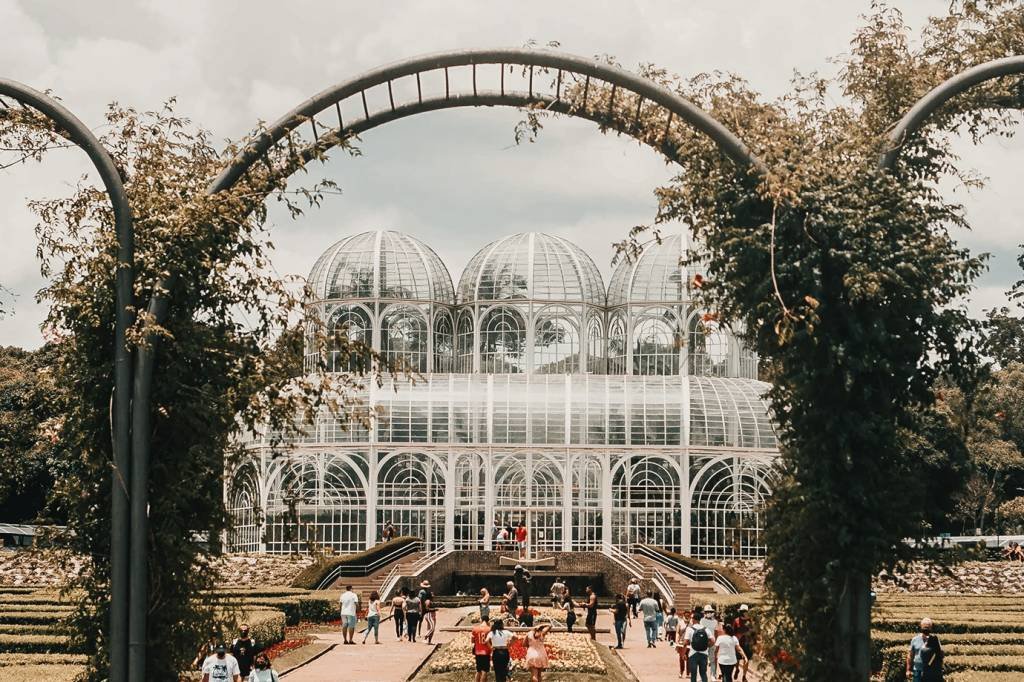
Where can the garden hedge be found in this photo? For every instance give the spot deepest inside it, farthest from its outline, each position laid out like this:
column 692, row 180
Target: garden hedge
column 310, row 577
column 41, row 673
column 34, row 644
column 738, row 581
column 40, row 659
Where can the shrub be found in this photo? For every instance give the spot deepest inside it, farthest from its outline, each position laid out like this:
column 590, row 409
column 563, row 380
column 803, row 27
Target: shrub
column 311, row 576
column 41, row 659
column 34, row 643
column 41, row 673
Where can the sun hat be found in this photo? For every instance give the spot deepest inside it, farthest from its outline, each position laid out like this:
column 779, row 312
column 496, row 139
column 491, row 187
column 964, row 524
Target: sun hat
column 744, row 607
column 709, row 608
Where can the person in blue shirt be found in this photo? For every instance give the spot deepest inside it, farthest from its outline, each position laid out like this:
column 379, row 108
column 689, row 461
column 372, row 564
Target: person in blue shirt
column 914, row 663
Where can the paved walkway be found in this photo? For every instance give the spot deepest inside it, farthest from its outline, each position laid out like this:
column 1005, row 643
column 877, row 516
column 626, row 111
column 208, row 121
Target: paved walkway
column 389, row 661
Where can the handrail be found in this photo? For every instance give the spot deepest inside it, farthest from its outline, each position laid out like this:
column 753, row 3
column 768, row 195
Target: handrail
column 623, row 559
column 427, row 560
column 697, row 574
column 661, row 580
column 367, row 569
column 389, row 582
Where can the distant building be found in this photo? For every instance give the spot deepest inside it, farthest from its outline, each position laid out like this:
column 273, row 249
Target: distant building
column 596, row 416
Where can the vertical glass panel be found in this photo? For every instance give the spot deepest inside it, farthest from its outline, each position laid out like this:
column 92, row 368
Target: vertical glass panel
column 503, row 342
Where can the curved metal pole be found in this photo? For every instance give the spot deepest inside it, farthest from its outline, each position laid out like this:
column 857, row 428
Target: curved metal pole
column 159, row 304
column 70, row 127
column 926, row 106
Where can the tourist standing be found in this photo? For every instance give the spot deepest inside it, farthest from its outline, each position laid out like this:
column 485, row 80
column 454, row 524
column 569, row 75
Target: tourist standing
column 536, row 654
column 620, row 616
column 915, row 664
column 557, row 592
column 262, row 670
column 499, row 638
column 671, row 625
column 659, row 617
column 697, row 640
column 429, row 619
column 511, row 599
column 569, row 606
column 221, row 666
column 741, row 625
column 398, row 612
column 388, row 534
column 728, row 653
column 485, row 605
column 482, row 650
column 373, row 618
column 591, row 607
column 633, row 595
column 349, row 607
column 244, row 651
column 710, row 624
column 931, row 660
column 424, row 594
column 412, row 616
column 649, row 611
column 521, row 539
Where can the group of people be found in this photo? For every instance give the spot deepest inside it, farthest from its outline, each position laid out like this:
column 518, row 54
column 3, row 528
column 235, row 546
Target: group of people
column 241, row 662
column 507, row 534
column 413, row 612
column 1013, row 551
column 491, row 642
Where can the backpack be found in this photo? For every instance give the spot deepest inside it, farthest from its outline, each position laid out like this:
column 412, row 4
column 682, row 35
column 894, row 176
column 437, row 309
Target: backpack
column 699, row 640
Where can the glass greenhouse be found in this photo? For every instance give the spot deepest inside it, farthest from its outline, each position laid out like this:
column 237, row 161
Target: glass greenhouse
column 597, row 417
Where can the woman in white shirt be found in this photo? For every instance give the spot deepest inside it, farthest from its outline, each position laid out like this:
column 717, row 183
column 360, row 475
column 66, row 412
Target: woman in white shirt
column 373, row 618
column 261, row 671
column 727, row 649
column 499, row 638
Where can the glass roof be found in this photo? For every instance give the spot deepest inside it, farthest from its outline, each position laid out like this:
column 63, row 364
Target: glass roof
column 381, row 264
column 531, row 266
column 654, row 277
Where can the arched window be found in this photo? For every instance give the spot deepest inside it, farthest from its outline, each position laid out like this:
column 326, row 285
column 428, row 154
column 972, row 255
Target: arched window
column 708, row 347
column 349, row 325
column 410, row 494
column 587, row 515
column 464, row 357
column 470, row 489
column 656, row 346
column 443, row 341
column 403, row 338
column 728, row 507
column 617, row 345
column 647, row 503
column 245, row 510
column 503, row 342
column 596, row 362
column 556, row 343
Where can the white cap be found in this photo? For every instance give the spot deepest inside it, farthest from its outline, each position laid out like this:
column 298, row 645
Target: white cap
column 744, row 607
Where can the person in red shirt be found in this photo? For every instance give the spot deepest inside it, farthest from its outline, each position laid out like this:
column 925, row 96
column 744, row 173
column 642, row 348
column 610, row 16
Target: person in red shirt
column 741, row 626
column 482, row 650
column 521, row 539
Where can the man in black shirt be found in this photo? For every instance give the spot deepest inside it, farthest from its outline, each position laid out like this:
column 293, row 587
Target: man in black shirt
column 620, row 611
column 244, row 651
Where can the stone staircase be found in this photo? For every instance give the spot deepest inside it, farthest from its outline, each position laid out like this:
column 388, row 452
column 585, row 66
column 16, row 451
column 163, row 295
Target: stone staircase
column 682, row 587
column 363, row 585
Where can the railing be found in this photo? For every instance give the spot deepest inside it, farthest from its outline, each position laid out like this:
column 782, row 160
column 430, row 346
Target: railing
column 697, row 574
column 661, row 581
column 373, row 567
column 627, row 562
column 427, row 560
column 389, row 582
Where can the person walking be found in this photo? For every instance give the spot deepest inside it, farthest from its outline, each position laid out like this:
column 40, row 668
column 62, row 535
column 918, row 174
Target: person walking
column 429, row 619
column 481, row 650
column 915, row 662
column 620, row 616
column 649, row 612
column 671, row 625
column 262, row 670
column 521, row 539
column 398, row 612
column 697, row 641
column 931, row 660
column 412, row 616
column 741, row 625
column 728, row 653
column 659, row 616
column 485, row 605
column 591, row 608
column 373, row 618
column 536, row 654
column 244, row 651
column 499, row 638
column 633, row 595
column 557, row 592
column 349, row 607
column 221, row 666
column 710, row 624
column 569, row 606
column 424, row 594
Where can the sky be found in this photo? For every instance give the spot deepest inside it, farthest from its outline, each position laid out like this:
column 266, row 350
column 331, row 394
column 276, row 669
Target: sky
column 454, row 179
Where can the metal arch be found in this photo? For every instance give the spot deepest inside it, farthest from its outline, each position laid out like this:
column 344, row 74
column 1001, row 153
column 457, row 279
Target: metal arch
column 72, row 129
column 927, row 105
column 728, row 142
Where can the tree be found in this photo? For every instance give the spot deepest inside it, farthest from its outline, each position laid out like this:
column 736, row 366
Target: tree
column 214, row 375
column 28, row 425
column 848, row 283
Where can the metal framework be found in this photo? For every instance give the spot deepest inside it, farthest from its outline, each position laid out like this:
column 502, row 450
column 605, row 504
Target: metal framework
column 122, row 529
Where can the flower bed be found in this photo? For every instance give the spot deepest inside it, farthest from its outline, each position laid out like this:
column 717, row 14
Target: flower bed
column 286, row 646
column 543, row 614
column 566, row 653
